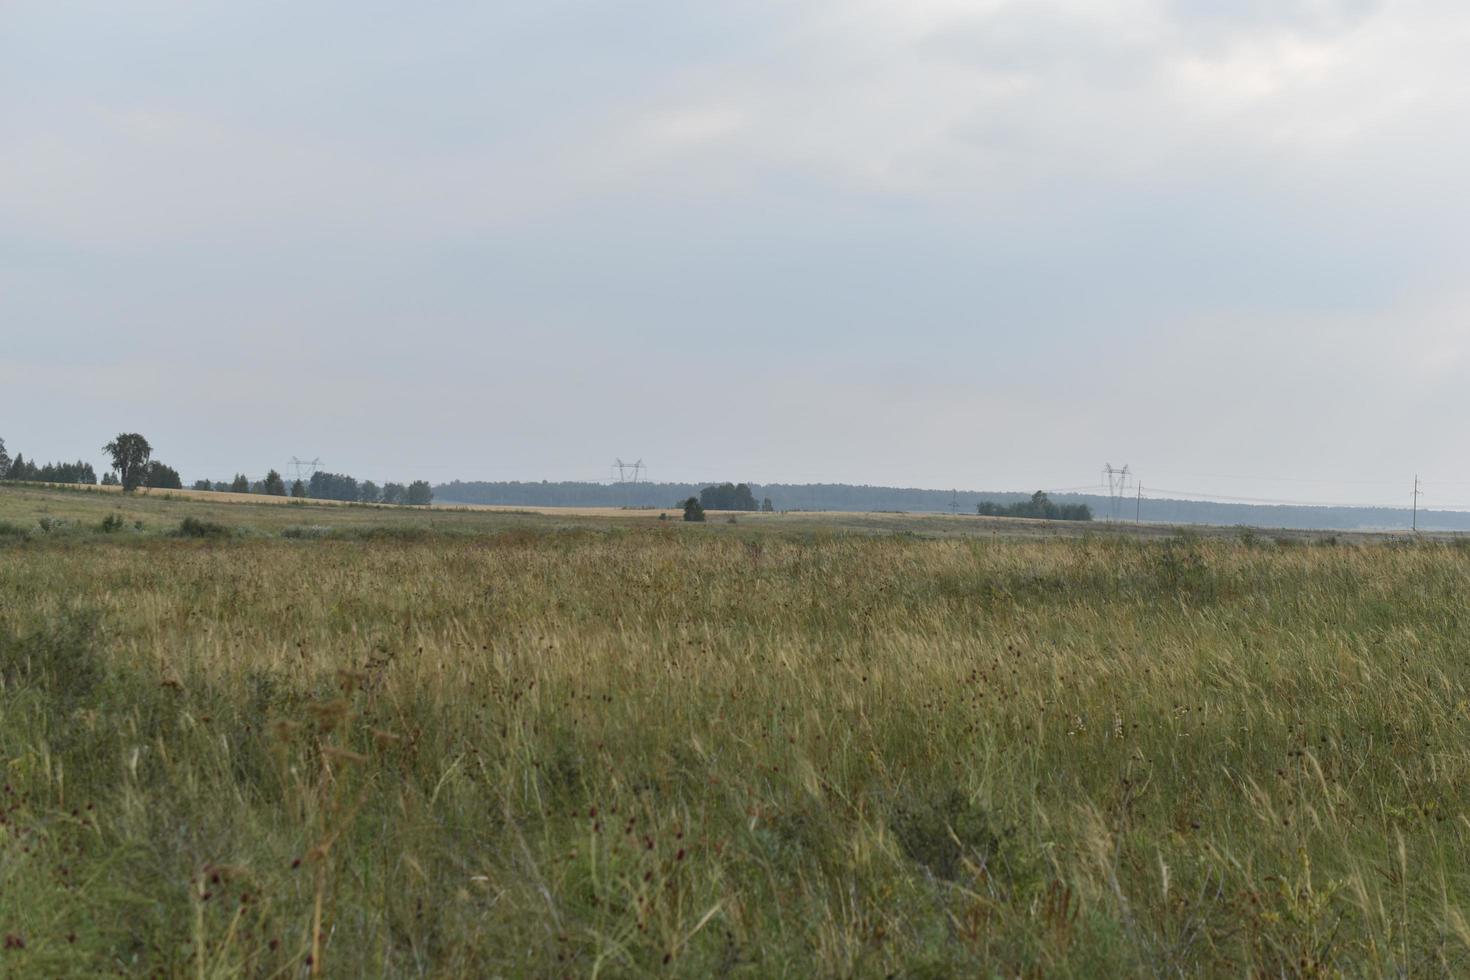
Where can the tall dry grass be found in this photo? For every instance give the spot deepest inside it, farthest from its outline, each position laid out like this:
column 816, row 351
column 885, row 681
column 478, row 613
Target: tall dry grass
column 666, row 751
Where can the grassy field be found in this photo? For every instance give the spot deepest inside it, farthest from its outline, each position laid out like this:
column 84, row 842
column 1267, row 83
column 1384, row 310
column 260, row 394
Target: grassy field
column 37, row 507
column 285, row 740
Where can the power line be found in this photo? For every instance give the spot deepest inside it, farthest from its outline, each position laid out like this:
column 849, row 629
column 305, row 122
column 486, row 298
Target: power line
column 622, row 470
column 1118, row 484
column 1284, row 479
column 307, row 466
column 1222, row 498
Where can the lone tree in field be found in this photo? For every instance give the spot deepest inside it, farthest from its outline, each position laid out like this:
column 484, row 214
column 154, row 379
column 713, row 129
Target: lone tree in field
column 129, row 452
column 274, row 485
column 419, row 494
column 693, row 511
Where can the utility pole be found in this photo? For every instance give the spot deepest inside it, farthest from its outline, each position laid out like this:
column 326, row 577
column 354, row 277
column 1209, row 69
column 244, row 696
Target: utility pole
column 622, row 470
column 1118, row 482
column 305, row 469
column 1417, row 493
column 1138, row 514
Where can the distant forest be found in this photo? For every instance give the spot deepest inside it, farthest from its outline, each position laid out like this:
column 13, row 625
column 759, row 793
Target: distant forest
column 846, row 497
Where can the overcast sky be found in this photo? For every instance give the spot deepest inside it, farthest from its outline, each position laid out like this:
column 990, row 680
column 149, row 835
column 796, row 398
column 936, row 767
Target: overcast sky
column 937, row 243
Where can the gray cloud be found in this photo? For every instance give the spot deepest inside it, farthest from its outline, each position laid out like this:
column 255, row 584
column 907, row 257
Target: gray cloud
column 992, row 244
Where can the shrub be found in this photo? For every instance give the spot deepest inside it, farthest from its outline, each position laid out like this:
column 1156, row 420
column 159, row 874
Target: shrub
column 693, row 510
column 111, row 524
column 192, row 527
column 60, row 659
column 944, row 833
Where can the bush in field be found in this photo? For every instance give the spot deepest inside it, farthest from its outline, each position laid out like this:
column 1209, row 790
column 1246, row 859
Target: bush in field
column 945, row 833
column 60, row 662
column 193, row 527
column 693, row 510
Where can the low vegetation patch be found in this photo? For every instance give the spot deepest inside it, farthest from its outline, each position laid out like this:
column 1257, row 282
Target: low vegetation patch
column 306, row 532
column 193, row 527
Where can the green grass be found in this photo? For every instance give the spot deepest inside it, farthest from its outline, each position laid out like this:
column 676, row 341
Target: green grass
column 506, row 745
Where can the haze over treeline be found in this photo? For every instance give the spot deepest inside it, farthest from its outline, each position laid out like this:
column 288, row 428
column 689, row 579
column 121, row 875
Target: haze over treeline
column 853, row 498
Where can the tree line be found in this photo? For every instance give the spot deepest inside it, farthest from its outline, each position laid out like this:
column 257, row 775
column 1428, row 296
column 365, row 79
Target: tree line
column 133, row 467
column 327, row 486
column 786, row 496
column 140, row 470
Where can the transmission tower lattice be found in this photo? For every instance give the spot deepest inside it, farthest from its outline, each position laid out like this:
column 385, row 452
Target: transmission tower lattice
column 1118, row 482
column 305, row 469
column 622, row 471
